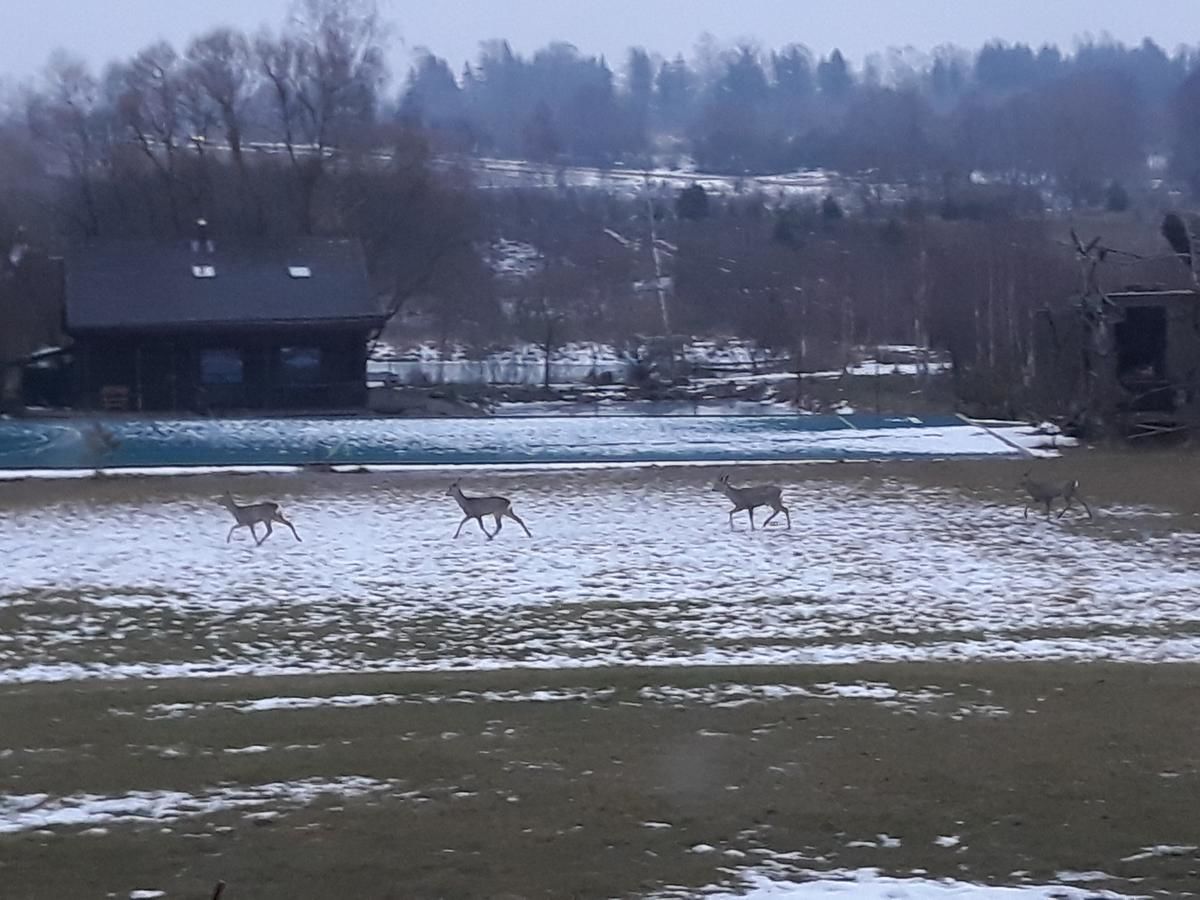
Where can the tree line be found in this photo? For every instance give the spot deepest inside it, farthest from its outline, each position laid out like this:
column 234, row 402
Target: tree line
column 1076, row 121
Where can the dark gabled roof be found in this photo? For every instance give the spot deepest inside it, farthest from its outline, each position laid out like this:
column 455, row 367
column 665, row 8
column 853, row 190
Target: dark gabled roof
column 139, row 284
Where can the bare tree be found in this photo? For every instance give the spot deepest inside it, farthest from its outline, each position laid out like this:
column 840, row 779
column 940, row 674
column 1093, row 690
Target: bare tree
column 220, row 80
column 150, row 107
column 324, row 72
column 69, row 118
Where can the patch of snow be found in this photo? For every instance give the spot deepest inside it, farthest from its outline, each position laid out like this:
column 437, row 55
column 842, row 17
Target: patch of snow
column 1160, row 850
column 515, row 259
column 353, row 701
column 947, row 840
column 733, row 695
column 1071, row 877
column 28, row 812
column 870, row 884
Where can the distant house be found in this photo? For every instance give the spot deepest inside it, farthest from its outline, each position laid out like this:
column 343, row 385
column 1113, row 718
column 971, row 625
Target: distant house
column 227, row 325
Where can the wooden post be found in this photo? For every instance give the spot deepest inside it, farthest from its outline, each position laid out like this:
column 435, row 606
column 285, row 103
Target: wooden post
column 174, row 363
column 137, row 375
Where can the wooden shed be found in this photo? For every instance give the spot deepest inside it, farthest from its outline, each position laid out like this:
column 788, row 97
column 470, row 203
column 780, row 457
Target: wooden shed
column 205, row 325
column 1126, row 363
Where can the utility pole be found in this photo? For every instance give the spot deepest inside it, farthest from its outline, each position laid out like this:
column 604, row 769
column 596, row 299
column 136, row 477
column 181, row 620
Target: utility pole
column 656, row 256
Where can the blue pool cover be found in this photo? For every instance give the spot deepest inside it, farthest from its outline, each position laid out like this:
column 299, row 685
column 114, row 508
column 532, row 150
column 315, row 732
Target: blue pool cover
column 74, row 444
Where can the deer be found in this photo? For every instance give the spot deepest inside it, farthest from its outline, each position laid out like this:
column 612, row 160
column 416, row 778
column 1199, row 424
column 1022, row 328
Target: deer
column 750, row 498
column 249, row 515
column 478, row 507
column 1046, row 492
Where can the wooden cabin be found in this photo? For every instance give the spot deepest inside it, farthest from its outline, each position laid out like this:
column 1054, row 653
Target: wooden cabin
column 228, row 325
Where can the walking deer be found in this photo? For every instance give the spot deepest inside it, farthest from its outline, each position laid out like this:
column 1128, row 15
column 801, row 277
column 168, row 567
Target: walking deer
column 478, row 507
column 750, row 498
column 252, row 514
column 1044, row 493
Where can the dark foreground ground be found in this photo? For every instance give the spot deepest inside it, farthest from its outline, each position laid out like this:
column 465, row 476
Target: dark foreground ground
column 1037, row 769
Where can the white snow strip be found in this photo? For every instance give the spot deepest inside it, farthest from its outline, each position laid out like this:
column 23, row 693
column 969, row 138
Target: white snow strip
column 353, row 701
column 1160, row 850
column 729, row 695
column 145, row 471
column 27, row 812
column 869, row 884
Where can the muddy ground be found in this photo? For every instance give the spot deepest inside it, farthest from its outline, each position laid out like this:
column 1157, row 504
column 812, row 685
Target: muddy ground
column 1036, row 769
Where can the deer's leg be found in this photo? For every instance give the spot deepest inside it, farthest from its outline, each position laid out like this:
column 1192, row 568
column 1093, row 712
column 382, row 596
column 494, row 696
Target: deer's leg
column 488, row 534
column 512, row 515
column 496, row 516
column 278, row 517
column 779, row 509
column 731, row 528
column 750, row 511
column 1066, row 506
column 1085, row 506
column 229, row 537
column 1047, row 510
column 465, row 520
column 268, row 532
column 1026, row 515
column 254, row 532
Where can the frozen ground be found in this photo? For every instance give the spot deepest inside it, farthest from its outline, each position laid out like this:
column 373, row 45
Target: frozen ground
column 625, row 567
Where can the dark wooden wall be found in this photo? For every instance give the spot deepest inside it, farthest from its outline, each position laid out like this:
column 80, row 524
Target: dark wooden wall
column 165, row 372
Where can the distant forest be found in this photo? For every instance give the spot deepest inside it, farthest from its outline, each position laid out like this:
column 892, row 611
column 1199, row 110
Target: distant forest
column 962, row 168
column 1081, row 119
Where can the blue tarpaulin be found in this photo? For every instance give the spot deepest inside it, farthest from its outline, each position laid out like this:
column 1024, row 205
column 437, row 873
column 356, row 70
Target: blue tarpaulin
column 137, row 443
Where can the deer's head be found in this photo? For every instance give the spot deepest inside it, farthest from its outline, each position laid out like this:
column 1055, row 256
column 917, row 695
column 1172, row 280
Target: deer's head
column 226, row 500
column 450, row 491
column 720, row 484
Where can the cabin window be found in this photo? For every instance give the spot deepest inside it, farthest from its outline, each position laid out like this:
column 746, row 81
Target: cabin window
column 221, row 366
column 300, row 365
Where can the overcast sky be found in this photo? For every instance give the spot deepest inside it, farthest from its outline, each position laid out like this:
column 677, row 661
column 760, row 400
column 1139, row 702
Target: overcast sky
column 102, row 30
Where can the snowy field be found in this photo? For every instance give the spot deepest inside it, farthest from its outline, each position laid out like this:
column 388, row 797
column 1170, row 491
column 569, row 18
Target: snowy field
column 625, row 567
column 174, row 690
